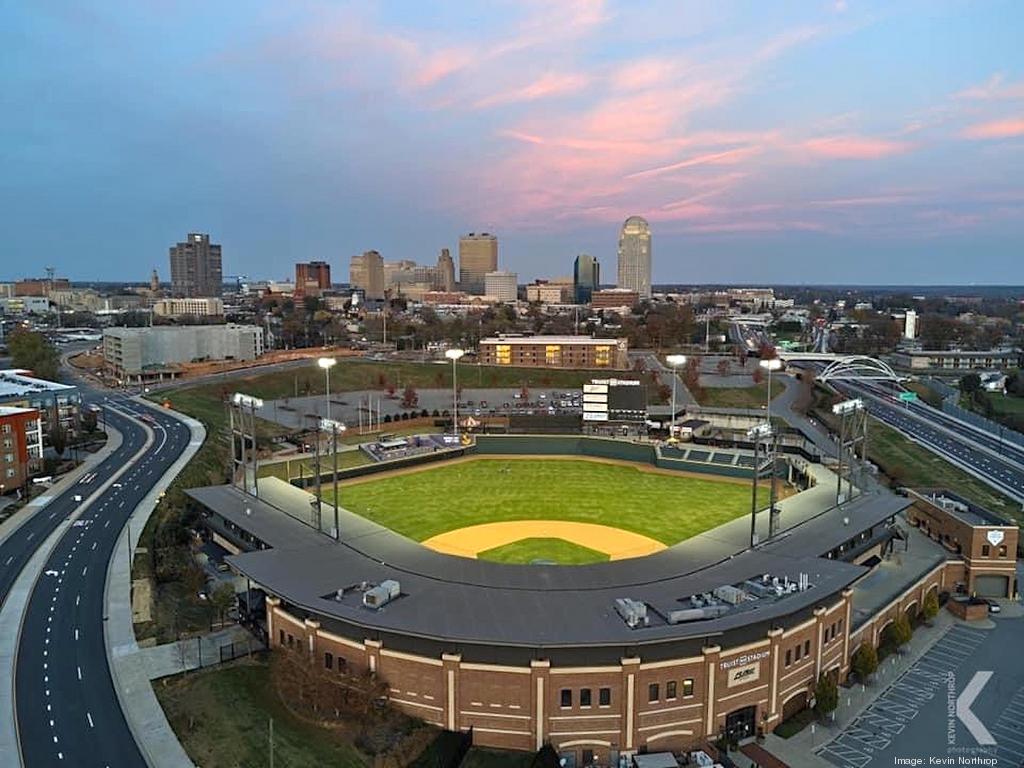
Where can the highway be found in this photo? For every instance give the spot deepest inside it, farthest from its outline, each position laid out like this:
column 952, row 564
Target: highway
column 68, row 712
column 998, row 463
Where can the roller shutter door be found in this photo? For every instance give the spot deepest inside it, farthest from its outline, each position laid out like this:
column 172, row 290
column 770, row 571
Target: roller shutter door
column 991, row 585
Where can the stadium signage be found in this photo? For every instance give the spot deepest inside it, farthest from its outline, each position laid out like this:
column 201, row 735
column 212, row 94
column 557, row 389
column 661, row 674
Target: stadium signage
column 746, row 658
column 746, row 674
column 995, row 537
column 611, row 383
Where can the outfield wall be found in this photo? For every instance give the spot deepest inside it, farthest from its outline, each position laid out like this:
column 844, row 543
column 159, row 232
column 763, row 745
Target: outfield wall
column 541, row 445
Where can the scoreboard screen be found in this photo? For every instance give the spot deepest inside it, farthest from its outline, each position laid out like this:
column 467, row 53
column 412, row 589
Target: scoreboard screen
column 614, row 400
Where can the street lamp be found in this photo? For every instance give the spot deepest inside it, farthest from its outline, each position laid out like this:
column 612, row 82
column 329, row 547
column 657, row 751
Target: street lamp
column 334, row 427
column 771, row 365
column 327, row 363
column 675, row 361
column 454, row 355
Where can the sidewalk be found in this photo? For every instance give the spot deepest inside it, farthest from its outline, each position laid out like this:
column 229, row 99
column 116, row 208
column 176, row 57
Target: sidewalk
column 145, row 716
column 798, row 750
column 188, row 654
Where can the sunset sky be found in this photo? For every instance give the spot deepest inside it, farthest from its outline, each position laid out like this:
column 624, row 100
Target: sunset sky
column 831, row 141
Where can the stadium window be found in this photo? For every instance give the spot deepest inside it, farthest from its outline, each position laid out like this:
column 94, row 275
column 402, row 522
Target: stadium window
column 652, row 693
column 584, row 697
column 807, row 647
column 566, row 698
column 670, row 689
column 796, row 656
column 329, row 660
column 280, row 637
column 588, row 757
column 789, row 656
column 604, row 697
column 688, row 687
column 1002, row 551
column 984, row 550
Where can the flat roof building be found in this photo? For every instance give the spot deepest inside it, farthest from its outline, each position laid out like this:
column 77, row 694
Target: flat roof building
column 210, row 306
column 478, row 255
column 20, row 389
column 196, row 268
column 366, row 272
column 139, row 355
column 21, row 446
column 956, row 359
column 555, row 352
column 614, row 298
column 502, row 285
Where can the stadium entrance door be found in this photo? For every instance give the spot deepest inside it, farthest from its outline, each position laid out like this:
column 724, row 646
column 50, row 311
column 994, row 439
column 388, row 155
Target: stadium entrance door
column 740, row 724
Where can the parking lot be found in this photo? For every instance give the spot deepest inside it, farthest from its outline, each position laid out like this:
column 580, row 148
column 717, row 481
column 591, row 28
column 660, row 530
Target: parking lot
column 914, row 717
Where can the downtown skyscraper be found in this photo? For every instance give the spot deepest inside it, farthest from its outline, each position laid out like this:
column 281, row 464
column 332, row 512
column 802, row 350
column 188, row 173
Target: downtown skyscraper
column 586, row 278
column 635, row 256
column 196, row 268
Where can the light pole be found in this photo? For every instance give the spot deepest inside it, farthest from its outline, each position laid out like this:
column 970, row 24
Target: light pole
column 759, row 433
column 334, row 427
column 675, row 361
column 327, row 363
column 454, row 355
column 770, row 365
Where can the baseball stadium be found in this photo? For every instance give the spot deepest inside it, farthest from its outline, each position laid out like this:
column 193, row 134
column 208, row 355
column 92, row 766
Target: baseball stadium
column 603, row 596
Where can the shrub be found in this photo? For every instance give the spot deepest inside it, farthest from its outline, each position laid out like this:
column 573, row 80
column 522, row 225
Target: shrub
column 864, row 661
column 826, row 694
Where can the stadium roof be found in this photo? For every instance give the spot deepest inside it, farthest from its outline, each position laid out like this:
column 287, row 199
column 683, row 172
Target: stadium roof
column 473, row 601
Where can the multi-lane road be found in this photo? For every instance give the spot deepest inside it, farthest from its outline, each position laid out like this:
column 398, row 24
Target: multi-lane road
column 66, row 706
column 998, row 462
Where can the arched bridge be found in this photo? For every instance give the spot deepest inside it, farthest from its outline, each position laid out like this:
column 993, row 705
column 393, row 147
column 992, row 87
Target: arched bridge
column 844, row 367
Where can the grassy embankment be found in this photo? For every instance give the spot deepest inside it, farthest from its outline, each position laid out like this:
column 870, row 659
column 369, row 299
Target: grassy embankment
column 754, row 396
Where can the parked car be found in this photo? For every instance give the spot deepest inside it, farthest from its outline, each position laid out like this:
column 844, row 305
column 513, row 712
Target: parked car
column 993, row 606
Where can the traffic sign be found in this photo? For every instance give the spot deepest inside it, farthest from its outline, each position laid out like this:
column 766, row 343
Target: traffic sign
column 908, row 397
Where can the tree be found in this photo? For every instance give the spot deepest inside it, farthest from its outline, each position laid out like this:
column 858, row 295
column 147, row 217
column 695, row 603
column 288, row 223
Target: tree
column 58, row 436
column 826, row 694
column 898, row 632
column 409, row 396
column 221, row 599
column 864, row 661
column 391, row 389
column 930, row 608
column 722, row 367
column 805, row 395
column 32, row 351
column 758, row 375
column 970, row 383
column 691, row 375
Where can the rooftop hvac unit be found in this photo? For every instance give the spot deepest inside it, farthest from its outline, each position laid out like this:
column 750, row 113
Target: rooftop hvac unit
column 730, row 594
column 382, row 594
column 683, row 615
column 633, row 612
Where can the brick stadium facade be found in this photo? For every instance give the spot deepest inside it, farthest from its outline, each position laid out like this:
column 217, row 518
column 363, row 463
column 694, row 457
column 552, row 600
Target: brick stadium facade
column 629, row 705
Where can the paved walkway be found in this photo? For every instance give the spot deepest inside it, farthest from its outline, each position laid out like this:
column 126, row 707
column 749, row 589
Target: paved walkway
column 189, row 654
column 141, row 708
column 798, row 750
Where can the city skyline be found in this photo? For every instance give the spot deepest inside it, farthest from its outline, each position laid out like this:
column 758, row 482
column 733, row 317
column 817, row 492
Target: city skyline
column 842, row 142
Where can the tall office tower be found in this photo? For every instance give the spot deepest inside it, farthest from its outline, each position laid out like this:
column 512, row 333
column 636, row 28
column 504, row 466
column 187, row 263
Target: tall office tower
column 367, row 272
column 478, row 255
column 586, row 278
column 445, row 274
column 635, row 256
column 311, row 277
column 502, row 285
column 196, row 267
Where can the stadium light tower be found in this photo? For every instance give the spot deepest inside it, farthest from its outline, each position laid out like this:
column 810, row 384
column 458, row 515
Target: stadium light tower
column 675, row 361
column 245, row 433
column 761, row 433
column 847, row 410
column 770, row 365
column 327, row 363
column 454, row 355
column 335, row 428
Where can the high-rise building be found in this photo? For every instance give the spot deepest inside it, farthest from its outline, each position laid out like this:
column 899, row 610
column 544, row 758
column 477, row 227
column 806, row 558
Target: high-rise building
column 635, row 256
column 196, row 267
column 154, row 282
column 586, row 278
column 910, row 325
column 366, row 272
column 311, row 277
column 502, row 285
column 445, row 277
column 478, row 255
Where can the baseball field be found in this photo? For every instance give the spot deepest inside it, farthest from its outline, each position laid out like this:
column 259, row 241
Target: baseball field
column 566, row 510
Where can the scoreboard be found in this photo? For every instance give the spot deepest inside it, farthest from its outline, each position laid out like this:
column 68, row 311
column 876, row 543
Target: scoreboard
column 614, row 400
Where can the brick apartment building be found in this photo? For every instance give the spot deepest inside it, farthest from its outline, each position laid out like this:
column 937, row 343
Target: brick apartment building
column 555, row 352
column 21, row 446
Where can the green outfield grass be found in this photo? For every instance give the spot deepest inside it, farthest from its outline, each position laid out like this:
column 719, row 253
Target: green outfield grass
column 559, row 551
column 449, row 496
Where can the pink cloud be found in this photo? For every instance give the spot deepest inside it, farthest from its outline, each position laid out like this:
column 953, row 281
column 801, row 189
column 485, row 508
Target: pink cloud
column 546, row 86
column 994, row 89
column 855, row 147
column 1007, row 128
column 726, row 157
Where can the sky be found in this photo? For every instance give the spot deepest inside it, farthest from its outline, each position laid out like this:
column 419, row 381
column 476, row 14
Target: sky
column 819, row 141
